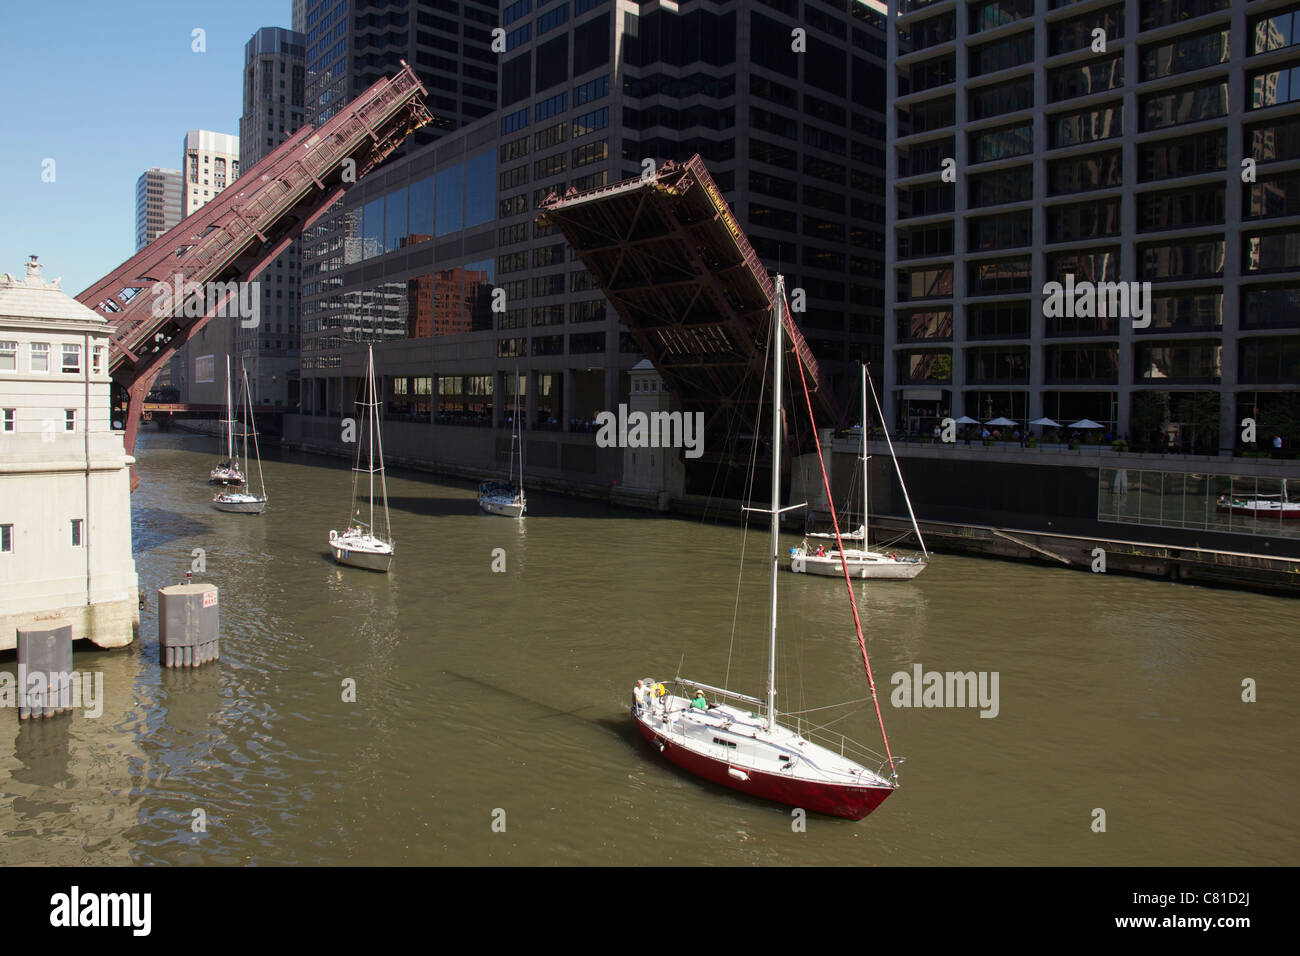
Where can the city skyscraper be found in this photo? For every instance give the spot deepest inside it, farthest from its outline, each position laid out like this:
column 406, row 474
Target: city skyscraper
column 273, row 110
column 1032, row 145
column 157, row 204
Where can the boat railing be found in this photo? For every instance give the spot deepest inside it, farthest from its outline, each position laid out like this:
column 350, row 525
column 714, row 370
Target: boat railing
column 839, row 743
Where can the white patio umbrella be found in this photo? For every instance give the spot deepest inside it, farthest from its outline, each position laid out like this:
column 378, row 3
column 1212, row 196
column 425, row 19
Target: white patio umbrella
column 1000, row 422
column 1046, row 423
column 965, row 420
column 1084, row 423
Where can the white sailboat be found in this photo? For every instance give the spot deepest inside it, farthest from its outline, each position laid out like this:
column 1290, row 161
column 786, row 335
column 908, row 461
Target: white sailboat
column 361, row 544
column 863, row 563
column 744, row 747
column 507, row 499
column 227, row 472
column 244, row 502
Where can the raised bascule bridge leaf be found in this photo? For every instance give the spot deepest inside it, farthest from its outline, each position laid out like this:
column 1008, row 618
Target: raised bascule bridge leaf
column 671, row 258
column 240, row 231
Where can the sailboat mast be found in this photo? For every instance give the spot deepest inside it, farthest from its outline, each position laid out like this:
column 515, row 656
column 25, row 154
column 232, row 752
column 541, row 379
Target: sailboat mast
column 514, row 428
column 370, row 434
column 230, row 415
column 865, row 498
column 248, row 402
column 779, row 340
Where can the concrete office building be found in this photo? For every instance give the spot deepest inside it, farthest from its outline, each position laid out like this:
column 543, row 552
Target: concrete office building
column 274, row 94
column 589, row 93
column 65, row 508
column 157, row 204
column 1141, row 142
column 157, row 209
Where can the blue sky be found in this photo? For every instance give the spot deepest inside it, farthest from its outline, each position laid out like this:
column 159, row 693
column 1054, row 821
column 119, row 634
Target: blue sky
column 106, row 88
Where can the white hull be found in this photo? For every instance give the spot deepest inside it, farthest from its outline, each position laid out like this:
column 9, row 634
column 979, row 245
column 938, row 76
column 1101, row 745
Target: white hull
column 502, row 505
column 361, row 551
column 868, row 566
column 239, row 504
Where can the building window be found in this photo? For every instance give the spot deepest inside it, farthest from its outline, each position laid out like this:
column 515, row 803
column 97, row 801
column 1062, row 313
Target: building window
column 69, row 419
column 40, row 355
column 71, row 359
column 97, row 354
column 76, row 532
column 1180, row 208
column 1159, row 13
column 590, row 122
column 1169, row 158
column 1185, row 105
column 1274, row 31
column 1084, row 79
column 6, row 539
column 1184, row 54
column 1280, row 84
column 9, row 414
column 1002, row 54
column 1085, row 126
column 1001, row 143
column 1077, row 32
column 8, row 356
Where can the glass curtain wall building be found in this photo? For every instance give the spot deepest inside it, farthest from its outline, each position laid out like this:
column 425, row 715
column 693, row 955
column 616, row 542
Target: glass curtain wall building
column 1035, row 142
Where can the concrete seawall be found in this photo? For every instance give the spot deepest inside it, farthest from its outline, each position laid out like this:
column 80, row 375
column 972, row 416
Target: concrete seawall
column 1165, row 553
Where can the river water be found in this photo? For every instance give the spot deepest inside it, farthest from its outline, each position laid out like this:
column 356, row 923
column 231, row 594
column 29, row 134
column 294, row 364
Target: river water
column 489, row 697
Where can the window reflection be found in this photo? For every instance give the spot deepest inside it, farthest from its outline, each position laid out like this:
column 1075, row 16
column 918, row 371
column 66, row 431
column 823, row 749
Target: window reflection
column 449, row 199
column 395, row 220
column 480, row 188
column 420, row 219
column 372, row 229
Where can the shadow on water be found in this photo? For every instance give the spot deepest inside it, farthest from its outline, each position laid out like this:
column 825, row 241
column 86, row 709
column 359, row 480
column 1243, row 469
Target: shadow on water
column 434, row 507
column 153, row 527
column 604, row 723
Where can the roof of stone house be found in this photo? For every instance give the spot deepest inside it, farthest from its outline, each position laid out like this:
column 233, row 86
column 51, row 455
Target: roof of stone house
column 33, row 299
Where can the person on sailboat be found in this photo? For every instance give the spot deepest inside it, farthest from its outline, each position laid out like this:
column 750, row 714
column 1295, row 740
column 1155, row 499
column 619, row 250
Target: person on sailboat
column 700, row 702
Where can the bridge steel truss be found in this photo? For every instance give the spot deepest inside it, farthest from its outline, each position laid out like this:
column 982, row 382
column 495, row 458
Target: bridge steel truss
column 241, row 231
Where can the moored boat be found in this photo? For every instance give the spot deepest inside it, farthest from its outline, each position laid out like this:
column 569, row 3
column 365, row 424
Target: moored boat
column 245, row 502
column 862, row 563
column 361, row 544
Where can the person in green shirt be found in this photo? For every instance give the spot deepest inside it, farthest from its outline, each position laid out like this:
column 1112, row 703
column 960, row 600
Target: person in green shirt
column 700, row 702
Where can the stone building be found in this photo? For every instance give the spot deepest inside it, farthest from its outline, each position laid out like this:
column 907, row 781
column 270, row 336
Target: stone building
column 65, row 509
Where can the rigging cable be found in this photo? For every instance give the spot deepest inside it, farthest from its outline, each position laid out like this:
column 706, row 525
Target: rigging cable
column 853, row 601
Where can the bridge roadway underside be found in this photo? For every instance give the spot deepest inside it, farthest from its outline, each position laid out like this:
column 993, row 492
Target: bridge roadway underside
column 671, row 258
